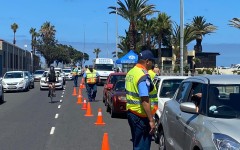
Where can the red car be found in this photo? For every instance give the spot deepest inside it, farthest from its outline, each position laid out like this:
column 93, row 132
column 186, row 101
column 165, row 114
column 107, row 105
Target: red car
column 116, row 99
column 111, row 80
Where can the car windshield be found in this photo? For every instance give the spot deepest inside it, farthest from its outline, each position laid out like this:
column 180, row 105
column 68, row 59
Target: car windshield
column 120, row 86
column 115, row 78
column 104, row 67
column 169, row 87
column 67, row 70
column 13, row 75
column 224, row 101
column 39, row 72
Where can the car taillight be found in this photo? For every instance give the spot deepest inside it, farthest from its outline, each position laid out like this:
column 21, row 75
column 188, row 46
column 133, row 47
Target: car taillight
column 123, row 98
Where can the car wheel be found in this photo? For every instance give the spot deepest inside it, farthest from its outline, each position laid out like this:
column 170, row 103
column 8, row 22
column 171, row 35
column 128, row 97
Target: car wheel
column 2, row 97
column 113, row 114
column 162, row 145
column 156, row 133
column 107, row 106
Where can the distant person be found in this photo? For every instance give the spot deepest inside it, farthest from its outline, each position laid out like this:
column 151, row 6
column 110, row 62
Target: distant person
column 51, row 78
column 75, row 75
column 91, row 78
column 156, row 70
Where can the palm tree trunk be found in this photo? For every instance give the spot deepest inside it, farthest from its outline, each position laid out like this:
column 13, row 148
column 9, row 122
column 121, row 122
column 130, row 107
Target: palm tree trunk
column 132, row 36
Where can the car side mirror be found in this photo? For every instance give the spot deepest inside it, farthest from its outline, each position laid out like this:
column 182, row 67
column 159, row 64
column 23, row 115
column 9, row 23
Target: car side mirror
column 109, row 86
column 188, row 107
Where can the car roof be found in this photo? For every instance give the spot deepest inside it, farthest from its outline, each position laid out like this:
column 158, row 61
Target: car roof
column 13, row 71
column 171, row 77
column 216, row 79
column 117, row 73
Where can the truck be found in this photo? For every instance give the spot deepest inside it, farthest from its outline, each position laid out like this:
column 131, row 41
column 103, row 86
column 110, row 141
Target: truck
column 103, row 66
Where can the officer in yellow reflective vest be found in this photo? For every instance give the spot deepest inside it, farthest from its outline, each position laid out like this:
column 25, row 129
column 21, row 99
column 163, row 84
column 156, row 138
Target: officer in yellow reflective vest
column 75, row 75
column 153, row 94
column 140, row 107
column 91, row 79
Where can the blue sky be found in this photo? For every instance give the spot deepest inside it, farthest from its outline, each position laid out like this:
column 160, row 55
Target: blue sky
column 73, row 18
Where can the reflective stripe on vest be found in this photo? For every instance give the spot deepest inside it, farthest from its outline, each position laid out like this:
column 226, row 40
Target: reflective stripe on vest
column 91, row 76
column 133, row 78
column 153, row 93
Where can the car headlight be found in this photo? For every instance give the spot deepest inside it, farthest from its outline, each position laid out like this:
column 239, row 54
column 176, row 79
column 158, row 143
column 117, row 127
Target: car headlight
column 122, row 98
column 225, row 142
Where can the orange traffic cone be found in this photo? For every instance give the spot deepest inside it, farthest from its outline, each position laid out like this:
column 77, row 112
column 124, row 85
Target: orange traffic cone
column 74, row 92
column 79, row 91
column 99, row 118
column 84, row 106
column 105, row 144
column 79, row 99
column 82, row 84
column 89, row 111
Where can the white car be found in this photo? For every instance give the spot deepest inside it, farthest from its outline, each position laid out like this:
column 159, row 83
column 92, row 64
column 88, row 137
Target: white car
column 16, row 81
column 166, row 88
column 44, row 83
column 68, row 74
column 62, row 74
column 38, row 74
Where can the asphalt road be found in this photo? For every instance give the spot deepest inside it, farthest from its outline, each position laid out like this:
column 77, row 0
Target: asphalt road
column 28, row 121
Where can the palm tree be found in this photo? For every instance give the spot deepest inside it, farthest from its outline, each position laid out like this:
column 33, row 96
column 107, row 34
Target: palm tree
column 201, row 28
column 14, row 27
column 235, row 22
column 163, row 26
column 97, row 51
column 34, row 34
column 132, row 11
column 189, row 36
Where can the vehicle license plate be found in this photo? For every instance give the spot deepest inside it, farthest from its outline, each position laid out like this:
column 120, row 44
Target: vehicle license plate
column 11, row 87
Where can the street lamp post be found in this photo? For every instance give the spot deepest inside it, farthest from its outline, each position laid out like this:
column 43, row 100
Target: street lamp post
column 181, row 35
column 107, row 37
column 116, row 30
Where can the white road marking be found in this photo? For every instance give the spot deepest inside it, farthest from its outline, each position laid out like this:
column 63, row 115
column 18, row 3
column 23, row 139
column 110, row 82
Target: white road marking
column 62, row 92
column 52, row 130
column 60, row 101
column 62, row 96
column 59, row 106
column 56, row 116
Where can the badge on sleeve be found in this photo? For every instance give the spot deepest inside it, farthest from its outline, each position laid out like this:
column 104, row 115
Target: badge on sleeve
column 147, row 82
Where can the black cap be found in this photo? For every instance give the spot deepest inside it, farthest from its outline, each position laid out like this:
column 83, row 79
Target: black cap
column 146, row 54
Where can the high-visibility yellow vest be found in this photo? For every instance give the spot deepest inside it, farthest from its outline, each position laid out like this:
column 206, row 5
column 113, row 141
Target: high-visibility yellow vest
column 75, row 71
column 133, row 77
column 153, row 93
column 91, row 76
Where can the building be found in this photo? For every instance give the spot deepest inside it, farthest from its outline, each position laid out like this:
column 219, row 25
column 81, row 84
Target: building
column 13, row 58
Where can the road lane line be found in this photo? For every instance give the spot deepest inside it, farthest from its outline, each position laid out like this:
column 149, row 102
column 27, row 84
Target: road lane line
column 60, row 101
column 63, row 93
column 62, row 96
column 56, row 116
column 59, row 106
column 52, row 130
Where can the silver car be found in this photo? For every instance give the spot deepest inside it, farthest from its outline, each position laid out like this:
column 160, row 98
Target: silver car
column 210, row 121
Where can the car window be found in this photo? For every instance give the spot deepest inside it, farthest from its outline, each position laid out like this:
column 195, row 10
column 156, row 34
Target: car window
column 39, row 72
column 183, row 92
column 120, row 86
column 169, row 87
column 116, row 78
column 13, row 75
column 224, row 101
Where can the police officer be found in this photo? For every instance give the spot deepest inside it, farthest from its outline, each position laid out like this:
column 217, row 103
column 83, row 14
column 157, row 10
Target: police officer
column 141, row 105
column 75, row 75
column 91, row 79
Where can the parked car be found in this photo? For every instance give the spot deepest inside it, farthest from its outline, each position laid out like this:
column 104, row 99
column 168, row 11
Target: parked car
column 16, row 81
column 116, row 99
column 44, row 83
column 111, row 80
column 31, row 79
column 68, row 74
column 208, row 122
column 38, row 74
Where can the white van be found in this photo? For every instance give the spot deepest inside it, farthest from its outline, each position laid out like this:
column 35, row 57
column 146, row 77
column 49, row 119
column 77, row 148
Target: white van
column 103, row 66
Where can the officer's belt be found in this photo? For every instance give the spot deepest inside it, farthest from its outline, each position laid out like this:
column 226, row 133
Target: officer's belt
column 137, row 95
